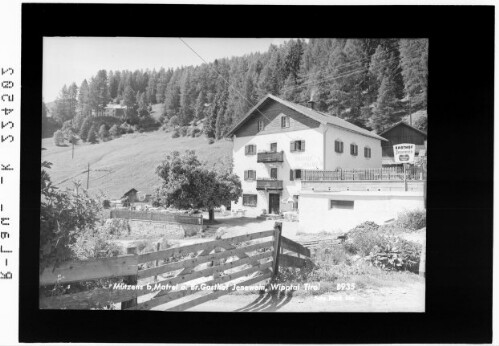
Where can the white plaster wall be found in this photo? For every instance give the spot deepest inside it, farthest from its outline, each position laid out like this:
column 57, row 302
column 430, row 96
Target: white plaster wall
column 316, row 216
column 311, row 158
column 345, row 160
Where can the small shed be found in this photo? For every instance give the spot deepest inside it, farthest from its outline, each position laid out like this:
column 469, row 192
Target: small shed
column 132, row 195
column 399, row 133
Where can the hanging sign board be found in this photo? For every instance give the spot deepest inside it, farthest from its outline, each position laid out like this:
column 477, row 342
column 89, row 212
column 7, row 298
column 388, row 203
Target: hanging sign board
column 404, row 153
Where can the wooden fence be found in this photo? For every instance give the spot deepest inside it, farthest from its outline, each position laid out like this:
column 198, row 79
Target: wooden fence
column 252, row 258
column 386, row 174
column 156, row 216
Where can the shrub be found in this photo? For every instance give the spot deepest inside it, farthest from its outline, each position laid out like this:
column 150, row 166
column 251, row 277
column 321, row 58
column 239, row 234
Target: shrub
column 195, row 132
column 58, row 138
column 176, row 133
column 63, row 217
column 211, row 141
column 116, row 228
column 106, row 204
column 183, row 131
column 115, row 131
column 126, row 128
column 173, row 122
column 412, row 220
column 396, row 254
column 362, row 239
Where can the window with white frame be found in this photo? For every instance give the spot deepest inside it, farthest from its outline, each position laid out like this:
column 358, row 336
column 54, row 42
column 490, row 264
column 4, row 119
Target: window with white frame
column 250, row 149
column 338, row 146
column 297, row 146
column 354, row 149
column 367, row 152
column 249, row 200
column 285, row 121
column 250, row 175
column 260, row 125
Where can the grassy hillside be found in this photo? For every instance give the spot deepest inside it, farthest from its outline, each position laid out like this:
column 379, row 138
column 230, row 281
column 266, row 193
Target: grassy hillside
column 131, row 159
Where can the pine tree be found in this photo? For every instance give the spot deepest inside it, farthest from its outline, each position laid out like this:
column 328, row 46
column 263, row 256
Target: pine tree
column 85, row 127
column 103, row 132
column 92, row 135
column 386, row 107
column 186, row 102
column 84, row 99
column 414, row 63
column 114, row 82
column 199, row 112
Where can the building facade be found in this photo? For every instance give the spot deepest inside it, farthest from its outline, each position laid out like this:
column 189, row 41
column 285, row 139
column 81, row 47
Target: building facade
column 276, row 140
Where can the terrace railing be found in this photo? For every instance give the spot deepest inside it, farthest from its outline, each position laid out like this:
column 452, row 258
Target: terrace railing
column 370, row 174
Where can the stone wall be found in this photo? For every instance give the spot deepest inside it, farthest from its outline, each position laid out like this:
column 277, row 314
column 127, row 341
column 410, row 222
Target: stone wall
column 169, row 230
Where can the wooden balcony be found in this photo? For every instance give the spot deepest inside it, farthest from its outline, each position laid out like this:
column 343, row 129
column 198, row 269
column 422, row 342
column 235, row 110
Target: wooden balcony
column 265, row 157
column 268, row 184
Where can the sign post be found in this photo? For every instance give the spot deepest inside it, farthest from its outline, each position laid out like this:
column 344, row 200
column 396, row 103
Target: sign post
column 404, row 154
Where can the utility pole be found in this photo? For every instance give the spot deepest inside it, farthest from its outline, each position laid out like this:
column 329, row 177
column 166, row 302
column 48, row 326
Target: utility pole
column 410, row 112
column 88, row 175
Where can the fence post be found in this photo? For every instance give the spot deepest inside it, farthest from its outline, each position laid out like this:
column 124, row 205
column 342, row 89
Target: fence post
column 158, row 244
column 130, row 280
column 422, row 261
column 277, row 248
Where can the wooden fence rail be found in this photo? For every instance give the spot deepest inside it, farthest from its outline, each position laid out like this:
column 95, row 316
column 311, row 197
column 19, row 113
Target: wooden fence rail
column 160, row 277
column 386, row 174
column 156, row 216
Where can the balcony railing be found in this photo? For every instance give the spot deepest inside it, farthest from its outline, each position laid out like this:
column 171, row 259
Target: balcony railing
column 268, row 184
column 270, row 157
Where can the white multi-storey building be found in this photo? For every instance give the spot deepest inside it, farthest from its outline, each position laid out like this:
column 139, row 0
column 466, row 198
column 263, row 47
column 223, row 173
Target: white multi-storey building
column 276, row 140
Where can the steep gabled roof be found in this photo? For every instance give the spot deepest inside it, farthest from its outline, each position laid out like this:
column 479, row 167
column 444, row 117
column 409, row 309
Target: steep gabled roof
column 320, row 117
column 406, row 124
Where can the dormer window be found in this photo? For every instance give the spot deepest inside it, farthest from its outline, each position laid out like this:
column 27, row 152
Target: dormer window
column 284, row 121
column 260, row 125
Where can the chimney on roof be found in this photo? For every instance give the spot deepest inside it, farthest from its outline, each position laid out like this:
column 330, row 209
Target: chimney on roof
column 311, row 102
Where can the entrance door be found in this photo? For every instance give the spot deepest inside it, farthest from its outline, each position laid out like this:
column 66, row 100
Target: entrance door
column 273, row 203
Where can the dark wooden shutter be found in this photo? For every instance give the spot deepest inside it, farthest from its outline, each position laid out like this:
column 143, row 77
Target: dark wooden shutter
column 245, row 175
column 292, row 148
column 291, row 176
column 246, row 150
column 302, row 145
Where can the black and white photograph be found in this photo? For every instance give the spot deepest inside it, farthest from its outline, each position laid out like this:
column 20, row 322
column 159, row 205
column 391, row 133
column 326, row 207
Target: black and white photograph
column 234, row 174
column 253, row 173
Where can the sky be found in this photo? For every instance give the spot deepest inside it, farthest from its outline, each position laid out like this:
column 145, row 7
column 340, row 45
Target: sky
column 72, row 59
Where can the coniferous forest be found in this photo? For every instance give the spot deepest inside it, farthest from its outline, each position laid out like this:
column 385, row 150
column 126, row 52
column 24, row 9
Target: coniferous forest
column 372, row 83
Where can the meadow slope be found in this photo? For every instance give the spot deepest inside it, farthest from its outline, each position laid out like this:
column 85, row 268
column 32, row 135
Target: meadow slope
column 124, row 163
